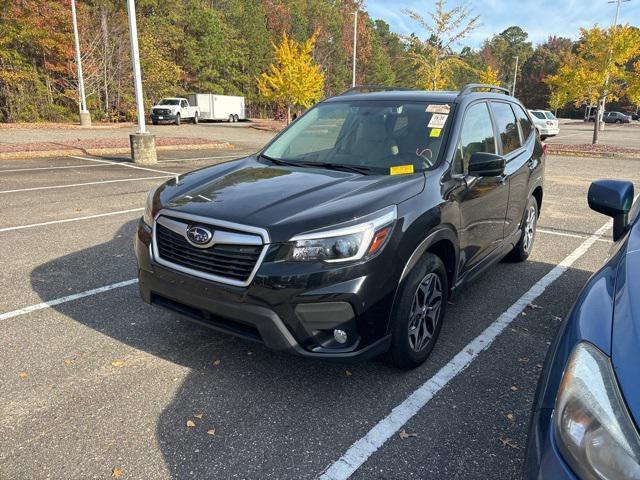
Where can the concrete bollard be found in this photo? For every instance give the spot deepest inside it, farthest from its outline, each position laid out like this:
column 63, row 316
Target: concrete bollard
column 143, row 148
column 85, row 119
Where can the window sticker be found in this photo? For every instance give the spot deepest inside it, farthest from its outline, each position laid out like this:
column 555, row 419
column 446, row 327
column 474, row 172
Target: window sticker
column 438, row 109
column 437, row 120
column 401, row 169
column 435, row 132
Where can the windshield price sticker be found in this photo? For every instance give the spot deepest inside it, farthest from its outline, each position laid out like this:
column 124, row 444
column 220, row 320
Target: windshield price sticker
column 401, row 169
column 437, row 120
column 438, row 109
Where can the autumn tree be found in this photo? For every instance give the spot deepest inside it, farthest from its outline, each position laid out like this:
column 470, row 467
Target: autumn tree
column 293, row 79
column 434, row 57
column 599, row 68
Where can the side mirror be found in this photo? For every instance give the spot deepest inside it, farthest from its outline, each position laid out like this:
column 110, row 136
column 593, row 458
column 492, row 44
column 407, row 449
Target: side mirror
column 614, row 199
column 483, row 164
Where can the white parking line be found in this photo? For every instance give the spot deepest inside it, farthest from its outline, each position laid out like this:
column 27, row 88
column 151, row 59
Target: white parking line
column 67, row 220
column 84, row 184
column 361, row 450
column 50, row 168
column 68, row 298
column 571, row 235
column 124, row 164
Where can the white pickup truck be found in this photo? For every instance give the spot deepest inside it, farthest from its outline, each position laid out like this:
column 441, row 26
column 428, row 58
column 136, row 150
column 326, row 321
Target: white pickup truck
column 174, row 110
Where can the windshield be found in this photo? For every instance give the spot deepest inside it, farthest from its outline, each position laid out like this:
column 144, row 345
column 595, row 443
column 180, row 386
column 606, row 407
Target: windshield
column 169, row 101
column 379, row 136
column 550, row 115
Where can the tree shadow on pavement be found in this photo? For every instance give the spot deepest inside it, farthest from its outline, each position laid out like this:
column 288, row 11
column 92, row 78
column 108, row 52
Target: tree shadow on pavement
column 274, row 415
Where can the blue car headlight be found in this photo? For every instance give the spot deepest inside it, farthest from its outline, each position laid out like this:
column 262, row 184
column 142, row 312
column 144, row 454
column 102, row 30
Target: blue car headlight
column 595, row 433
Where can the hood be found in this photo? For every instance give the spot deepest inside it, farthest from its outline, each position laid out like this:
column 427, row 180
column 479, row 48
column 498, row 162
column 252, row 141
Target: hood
column 285, row 200
column 625, row 341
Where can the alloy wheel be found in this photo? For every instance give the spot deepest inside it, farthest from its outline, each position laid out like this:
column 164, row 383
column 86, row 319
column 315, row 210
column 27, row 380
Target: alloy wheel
column 425, row 312
column 529, row 228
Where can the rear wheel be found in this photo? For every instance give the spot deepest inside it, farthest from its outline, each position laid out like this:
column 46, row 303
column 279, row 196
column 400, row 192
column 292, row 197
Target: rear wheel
column 529, row 222
column 178, row 119
column 418, row 315
column 618, row 121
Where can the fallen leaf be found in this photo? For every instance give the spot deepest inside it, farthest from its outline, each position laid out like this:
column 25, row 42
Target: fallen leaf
column 523, row 359
column 199, row 415
column 523, row 314
column 404, row 435
column 509, row 442
column 510, row 416
column 68, row 361
column 116, row 472
column 533, row 306
column 211, row 431
column 216, row 362
column 190, row 424
column 556, row 318
column 23, row 375
column 348, row 373
column 249, row 353
column 514, row 388
column 117, row 363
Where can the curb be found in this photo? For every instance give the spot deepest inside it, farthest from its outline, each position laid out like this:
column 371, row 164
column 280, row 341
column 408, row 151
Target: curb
column 107, row 151
column 576, row 153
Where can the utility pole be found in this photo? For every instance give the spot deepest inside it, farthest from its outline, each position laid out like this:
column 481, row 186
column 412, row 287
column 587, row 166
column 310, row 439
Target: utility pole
column 143, row 144
column 85, row 116
column 515, row 76
column 601, row 105
column 355, row 43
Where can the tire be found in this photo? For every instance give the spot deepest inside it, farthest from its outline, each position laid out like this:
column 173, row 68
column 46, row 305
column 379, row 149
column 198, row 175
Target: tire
column 523, row 248
column 618, row 122
column 178, row 119
column 414, row 330
column 230, row 119
column 195, row 119
column 155, row 122
column 543, row 137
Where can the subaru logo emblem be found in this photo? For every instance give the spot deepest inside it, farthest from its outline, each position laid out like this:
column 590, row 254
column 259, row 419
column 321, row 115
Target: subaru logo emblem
column 199, row 236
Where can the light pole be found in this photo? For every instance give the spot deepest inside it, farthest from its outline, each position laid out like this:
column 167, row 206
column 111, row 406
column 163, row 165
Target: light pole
column 515, row 76
column 143, row 144
column 355, row 43
column 85, row 116
column 601, row 107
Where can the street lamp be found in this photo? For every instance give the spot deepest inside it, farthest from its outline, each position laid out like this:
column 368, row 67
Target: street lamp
column 143, row 144
column 85, row 116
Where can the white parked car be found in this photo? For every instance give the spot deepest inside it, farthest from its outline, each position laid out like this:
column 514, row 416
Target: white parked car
column 545, row 122
column 174, row 110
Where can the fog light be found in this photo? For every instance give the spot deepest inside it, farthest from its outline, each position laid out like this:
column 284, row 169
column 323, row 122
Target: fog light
column 340, row 336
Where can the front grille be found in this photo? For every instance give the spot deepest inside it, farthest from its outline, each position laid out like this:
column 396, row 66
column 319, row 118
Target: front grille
column 235, row 262
column 161, row 111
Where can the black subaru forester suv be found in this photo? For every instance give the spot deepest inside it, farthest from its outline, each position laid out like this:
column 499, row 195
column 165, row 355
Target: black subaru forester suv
column 345, row 236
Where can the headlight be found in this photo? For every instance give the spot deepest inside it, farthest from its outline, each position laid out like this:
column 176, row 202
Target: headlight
column 594, row 431
column 148, row 209
column 343, row 244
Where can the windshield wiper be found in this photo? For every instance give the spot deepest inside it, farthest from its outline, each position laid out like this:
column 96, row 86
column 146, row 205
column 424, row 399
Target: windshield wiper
column 361, row 169
column 279, row 161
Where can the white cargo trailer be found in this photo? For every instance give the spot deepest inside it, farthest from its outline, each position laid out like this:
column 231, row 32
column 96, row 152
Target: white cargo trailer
column 218, row 107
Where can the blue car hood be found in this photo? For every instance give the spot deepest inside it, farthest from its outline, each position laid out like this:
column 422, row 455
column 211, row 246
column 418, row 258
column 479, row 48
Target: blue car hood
column 625, row 340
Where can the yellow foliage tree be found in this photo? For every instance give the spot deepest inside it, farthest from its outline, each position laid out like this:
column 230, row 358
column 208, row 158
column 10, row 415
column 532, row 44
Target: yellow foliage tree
column 293, row 79
column 598, row 69
column 489, row 76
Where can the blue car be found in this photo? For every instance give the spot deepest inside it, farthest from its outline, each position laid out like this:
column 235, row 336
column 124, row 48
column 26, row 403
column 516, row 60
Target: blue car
column 586, row 412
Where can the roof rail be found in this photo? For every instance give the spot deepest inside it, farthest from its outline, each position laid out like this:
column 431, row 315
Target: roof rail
column 469, row 88
column 373, row 88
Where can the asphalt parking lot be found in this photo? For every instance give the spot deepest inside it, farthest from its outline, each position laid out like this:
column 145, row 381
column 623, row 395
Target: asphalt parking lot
column 577, row 131
column 94, row 380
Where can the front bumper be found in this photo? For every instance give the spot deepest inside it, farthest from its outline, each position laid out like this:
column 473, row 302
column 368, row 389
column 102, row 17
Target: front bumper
column 282, row 310
column 162, row 118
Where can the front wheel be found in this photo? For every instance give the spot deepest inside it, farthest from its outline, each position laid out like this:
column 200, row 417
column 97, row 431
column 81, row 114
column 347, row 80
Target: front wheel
column 523, row 248
column 418, row 315
column 195, row 119
column 618, row 122
column 178, row 119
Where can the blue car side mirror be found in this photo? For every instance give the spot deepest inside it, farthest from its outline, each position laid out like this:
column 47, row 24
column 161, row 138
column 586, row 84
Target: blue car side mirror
column 613, row 198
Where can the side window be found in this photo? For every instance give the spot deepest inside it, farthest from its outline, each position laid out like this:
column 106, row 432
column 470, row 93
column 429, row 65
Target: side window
column 183, row 103
column 525, row 123
column 476, row 136
column 507, row 126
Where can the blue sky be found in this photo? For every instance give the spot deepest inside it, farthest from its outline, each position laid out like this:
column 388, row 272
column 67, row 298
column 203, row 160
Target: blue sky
column 539, row 18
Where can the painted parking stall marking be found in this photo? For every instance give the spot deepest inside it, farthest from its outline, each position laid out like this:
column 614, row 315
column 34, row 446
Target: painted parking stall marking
column 67, row 220
column 362, row 449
